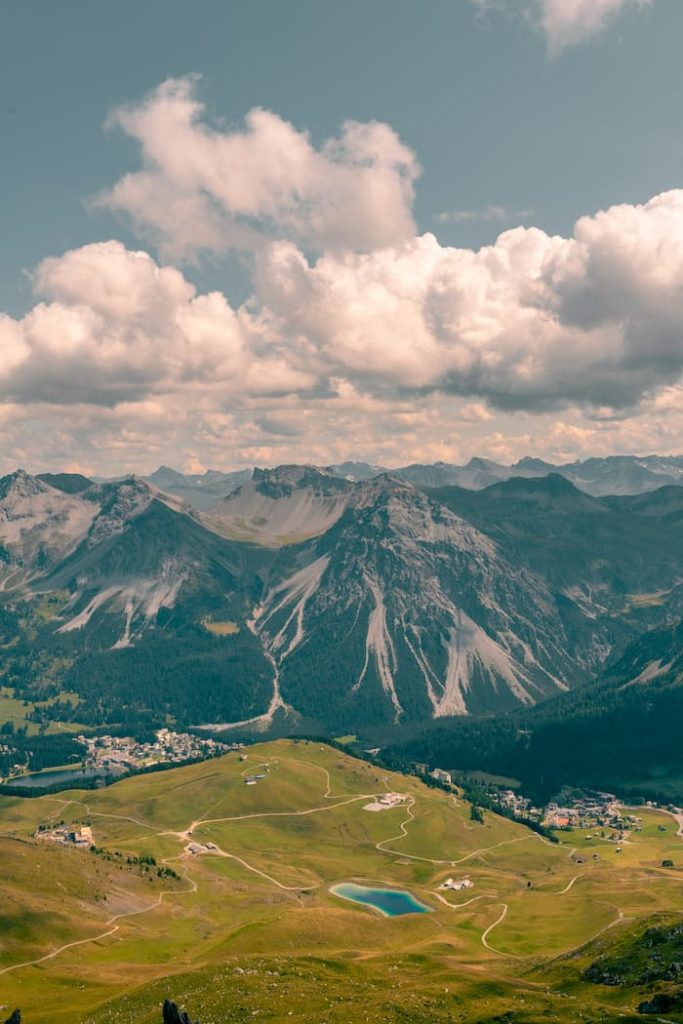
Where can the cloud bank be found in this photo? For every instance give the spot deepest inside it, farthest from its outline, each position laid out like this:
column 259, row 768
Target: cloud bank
column 360, row 338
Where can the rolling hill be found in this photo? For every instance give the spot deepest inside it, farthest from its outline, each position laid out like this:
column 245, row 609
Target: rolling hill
column 221, row 895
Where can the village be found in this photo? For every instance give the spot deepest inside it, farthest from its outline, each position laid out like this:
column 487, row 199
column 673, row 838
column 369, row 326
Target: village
column 589, row 809
column 124, row 753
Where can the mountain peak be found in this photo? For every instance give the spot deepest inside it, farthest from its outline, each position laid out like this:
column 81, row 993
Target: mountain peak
column 69, row 483
column 551, row 487
column 283, row 480
column 20, row 484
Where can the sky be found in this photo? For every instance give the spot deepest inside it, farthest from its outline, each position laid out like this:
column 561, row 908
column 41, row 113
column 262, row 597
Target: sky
column 253, row 232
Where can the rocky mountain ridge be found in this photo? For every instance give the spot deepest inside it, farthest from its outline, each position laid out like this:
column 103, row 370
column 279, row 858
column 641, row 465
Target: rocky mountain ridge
column 611, row 475
column 305, row 597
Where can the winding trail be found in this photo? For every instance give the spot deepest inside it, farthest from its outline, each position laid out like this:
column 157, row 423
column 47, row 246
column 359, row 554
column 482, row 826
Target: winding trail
column 569, row 885
column 678, row 816
column 186, row 833
column 111, row 931
column 485, row 936
column 98, row 814
column 257, row 871
column 458, row 906
column 403, row 834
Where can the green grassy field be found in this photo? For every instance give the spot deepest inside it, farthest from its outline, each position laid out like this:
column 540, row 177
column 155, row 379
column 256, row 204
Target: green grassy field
column 250, row 930
column 16, row 711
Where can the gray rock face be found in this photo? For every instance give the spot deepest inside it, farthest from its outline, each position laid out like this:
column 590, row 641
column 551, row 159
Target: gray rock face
column 374, row 602
column 172, row 1015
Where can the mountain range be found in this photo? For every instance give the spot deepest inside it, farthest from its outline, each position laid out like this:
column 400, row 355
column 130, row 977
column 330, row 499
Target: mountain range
column 615, row 474
column 303, row 599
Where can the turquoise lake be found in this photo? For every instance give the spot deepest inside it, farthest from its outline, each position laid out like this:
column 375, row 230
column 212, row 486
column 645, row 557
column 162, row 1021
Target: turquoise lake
column 390, row 902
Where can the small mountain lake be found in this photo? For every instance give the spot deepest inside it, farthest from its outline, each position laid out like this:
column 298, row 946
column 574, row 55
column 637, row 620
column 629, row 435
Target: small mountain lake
column 390, row 902
column 65, row 777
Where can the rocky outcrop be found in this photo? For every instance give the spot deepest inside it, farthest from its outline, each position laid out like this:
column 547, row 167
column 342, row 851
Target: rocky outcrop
column 662, row 1002
column 172, row 1015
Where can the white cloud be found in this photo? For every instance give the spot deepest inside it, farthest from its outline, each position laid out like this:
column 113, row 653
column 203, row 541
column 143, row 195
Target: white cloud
column 207, row 188
column 532, row 321
column 412, row 351
column 565, row 22
column 360, row 339
column 117, row 328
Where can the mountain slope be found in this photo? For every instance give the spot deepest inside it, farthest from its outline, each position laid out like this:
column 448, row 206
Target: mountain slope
column 603, row 555
column 125, row 626
column 280, row 506
column 620, row 732
column 306, row 598
column 39, row 524
column 405, row 610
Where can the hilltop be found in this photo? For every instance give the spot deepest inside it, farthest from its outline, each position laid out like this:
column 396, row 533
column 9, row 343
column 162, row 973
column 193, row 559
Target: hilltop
column 218, row 893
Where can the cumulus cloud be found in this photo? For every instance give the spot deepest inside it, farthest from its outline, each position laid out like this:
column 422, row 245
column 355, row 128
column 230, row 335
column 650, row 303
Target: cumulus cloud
column 214, row 188
column 533, row 321
column 566, row 22
column 117, row 327
column 359, row 338
column 392, row 343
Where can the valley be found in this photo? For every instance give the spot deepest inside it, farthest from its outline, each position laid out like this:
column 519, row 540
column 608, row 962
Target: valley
column 460, row 625
column 248, row 921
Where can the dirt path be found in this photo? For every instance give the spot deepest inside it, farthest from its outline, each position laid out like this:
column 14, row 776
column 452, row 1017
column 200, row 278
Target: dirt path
column 677, row 815
column 485, row 935
column 98, row 814
column 111, row 931
column 187, row 833
column 257, row 871
column 458, row 906
column 569, row 885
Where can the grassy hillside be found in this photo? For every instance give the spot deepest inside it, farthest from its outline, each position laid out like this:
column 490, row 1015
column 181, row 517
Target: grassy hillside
column 249, row 928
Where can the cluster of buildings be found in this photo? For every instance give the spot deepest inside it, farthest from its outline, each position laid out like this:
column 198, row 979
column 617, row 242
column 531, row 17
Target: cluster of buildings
column 385, row 801
column 457, row 884
column 589, row 809
column 122, row 753
column 518, row 805
column 67, row 835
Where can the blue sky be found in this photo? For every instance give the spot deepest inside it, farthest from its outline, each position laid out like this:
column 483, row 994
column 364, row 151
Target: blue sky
column 509, row 125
